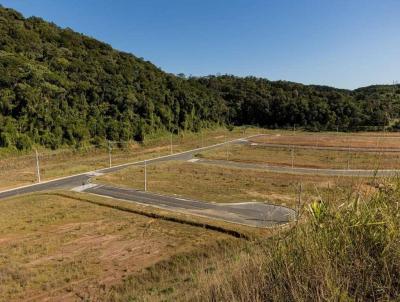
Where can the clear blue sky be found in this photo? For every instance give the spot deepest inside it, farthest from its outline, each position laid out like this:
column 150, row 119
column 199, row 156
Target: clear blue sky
column 342, row 43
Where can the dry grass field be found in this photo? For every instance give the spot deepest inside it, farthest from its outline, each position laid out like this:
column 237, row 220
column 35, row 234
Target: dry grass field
column 220, row 184
column 63, row 249
column 21, row 170
column 305, row 157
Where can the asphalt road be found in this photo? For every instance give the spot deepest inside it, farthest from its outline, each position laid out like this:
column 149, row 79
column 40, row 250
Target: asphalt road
column 302, row 171
column 70, row 182
column 253, row 214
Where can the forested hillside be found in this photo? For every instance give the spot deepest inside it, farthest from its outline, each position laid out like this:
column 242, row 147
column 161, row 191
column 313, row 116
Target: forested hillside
column 283, row 104
column 59, row 87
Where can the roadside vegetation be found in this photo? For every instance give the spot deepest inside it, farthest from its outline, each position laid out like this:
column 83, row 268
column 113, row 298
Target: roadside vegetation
column 345, row 248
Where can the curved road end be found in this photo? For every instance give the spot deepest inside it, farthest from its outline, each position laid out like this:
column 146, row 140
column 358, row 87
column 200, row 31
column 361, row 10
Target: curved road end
column 253, row 214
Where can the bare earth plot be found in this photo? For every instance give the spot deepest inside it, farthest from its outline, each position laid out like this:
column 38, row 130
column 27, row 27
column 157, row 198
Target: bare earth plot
column 61, row 249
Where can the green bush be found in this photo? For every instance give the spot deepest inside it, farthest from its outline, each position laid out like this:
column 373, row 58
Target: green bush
column 23, row 142
column 5, row 140
column 49, row 140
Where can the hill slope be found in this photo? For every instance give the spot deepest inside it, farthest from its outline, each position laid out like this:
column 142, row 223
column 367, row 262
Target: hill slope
column 58, row 86
column 61, row 87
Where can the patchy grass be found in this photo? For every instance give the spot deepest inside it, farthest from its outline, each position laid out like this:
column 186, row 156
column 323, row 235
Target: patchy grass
column 21, row 170
column 221, row 184
column 61, row 248
column 305, row 157
column 176, row 279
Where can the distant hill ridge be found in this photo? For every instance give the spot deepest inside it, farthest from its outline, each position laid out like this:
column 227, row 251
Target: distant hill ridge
column 59, row 87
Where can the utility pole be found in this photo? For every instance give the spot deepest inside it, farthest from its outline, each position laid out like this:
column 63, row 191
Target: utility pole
column 171, row 144
column 109, row 154
column 348, row 157
column 292, row 157
column 226, row 144
column 37, row 166
column 145, row 175
column 299, row 201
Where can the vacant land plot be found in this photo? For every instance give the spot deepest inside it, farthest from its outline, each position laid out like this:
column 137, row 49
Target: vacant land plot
column 305, row 157
column 220, row 184
column 64, row 249
column 355, row 140
column 21, row 170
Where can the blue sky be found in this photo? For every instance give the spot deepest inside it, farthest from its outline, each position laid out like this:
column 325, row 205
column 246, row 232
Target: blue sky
column 342, row 43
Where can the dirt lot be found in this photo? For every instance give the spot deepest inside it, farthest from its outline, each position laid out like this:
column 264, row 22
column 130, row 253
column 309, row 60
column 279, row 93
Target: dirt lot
column 61, row 249
column 354, row 140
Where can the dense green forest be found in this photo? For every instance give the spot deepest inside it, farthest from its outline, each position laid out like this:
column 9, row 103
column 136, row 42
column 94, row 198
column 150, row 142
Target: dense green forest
column 59, row 87
column 284, row 104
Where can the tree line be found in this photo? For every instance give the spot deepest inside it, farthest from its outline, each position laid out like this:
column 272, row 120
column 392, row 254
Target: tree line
column 277, row 104
column 59, row 87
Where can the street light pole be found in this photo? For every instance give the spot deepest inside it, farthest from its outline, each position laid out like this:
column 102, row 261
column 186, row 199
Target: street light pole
column 109, row 154
column 292, row 157
column 348, row 157
column 171, row 144
column 37, row 165
column 145, row 175
column 226, row 146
